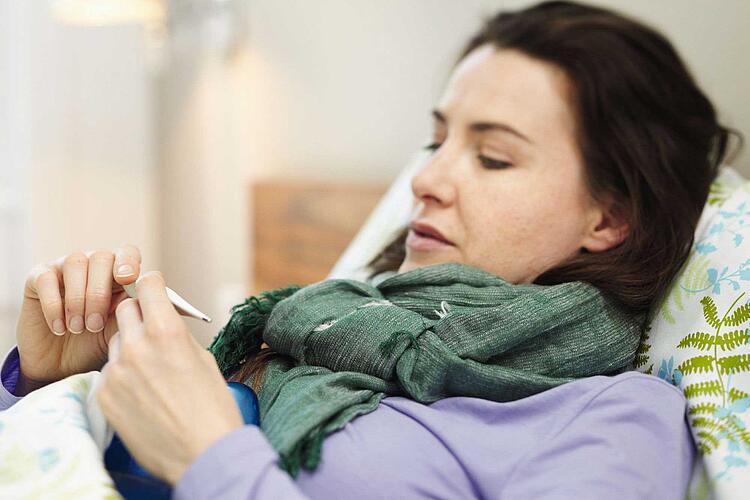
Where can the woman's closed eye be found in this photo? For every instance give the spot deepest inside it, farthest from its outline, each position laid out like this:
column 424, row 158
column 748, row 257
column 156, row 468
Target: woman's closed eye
column 486, row 161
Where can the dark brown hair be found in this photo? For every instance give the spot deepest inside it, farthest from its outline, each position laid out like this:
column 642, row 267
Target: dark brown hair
column 648, row 135
column 649, row 138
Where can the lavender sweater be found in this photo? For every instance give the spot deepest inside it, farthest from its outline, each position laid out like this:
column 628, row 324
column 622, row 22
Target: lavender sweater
column 622, row 437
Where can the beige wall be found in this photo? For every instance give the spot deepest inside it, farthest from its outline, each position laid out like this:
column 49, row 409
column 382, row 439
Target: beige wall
column 203, row 110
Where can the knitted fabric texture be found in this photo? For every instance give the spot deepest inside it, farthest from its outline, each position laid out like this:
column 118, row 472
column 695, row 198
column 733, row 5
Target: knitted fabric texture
column 426, row 334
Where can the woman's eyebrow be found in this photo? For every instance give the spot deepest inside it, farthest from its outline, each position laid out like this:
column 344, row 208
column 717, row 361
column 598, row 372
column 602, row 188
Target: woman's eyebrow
column 484, row 126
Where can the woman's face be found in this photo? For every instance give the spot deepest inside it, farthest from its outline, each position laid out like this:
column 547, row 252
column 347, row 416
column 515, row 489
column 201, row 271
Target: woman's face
column 504, row 189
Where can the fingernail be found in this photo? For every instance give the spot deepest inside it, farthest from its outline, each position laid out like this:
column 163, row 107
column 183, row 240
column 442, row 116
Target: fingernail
column 124, row 271
column 95, row 323
column 76, row 324
column 58, row 327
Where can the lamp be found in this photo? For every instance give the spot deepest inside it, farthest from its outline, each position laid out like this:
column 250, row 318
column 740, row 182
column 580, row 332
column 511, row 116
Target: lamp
column 108, row 12
column 151, row 14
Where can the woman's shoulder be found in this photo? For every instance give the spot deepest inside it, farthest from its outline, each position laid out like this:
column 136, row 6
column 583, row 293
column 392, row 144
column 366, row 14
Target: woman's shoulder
column 626, row 390
column 608, row 403
column 630, row 398
column 631, row 384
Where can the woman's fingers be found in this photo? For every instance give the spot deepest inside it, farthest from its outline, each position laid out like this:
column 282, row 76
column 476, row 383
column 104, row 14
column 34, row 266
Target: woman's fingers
column 45, row 283
column 98, row 290
column 127, row 265
column 75, row 273
column 80, row 291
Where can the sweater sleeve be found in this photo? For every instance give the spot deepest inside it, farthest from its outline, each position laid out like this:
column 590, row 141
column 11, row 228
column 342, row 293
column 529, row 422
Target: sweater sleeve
column 632, row 441
column 9, row 375
column 240, row 465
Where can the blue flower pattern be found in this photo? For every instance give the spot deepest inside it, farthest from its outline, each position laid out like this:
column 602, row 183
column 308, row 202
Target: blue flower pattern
column 735, row 221
column 668, row 373
column 739, row 450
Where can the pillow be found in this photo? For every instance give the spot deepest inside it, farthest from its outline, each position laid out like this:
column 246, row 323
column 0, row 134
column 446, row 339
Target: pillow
column 391, row 214
column 697, row 339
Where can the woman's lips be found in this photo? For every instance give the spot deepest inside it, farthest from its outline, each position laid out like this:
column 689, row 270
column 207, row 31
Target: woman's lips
column 420, row 241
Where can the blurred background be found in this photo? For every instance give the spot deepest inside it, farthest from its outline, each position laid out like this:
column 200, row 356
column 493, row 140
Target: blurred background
column 240, row 143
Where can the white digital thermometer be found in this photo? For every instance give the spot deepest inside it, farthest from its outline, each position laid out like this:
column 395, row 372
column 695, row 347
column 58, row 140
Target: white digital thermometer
column 182, row 305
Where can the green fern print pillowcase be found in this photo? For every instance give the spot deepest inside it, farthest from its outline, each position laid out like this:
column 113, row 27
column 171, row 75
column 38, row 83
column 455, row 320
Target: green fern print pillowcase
column 697, row 339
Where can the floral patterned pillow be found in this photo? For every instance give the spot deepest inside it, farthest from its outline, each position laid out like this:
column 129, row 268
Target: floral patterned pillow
column 697, row 339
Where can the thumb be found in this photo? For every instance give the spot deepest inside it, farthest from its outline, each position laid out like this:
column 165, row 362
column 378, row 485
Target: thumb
column 114, row 347
column 110, row 327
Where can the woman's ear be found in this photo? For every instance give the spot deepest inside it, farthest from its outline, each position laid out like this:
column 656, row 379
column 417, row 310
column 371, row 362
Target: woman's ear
column 609, row 228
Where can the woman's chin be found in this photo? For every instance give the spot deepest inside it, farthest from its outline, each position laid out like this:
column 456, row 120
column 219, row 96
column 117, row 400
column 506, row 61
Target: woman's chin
column 415, row 262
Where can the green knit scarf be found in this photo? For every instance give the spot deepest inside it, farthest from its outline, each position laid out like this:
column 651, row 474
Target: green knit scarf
column 430, row 333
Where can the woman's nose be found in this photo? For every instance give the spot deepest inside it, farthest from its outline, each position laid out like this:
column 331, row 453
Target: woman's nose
column 433, row 183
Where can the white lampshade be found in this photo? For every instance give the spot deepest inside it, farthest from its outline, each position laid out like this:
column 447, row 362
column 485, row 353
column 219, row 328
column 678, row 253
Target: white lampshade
column 108, row 12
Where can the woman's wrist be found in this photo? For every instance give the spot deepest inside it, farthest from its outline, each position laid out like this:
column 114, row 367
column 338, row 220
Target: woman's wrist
column 26, row 385
column 200, row 444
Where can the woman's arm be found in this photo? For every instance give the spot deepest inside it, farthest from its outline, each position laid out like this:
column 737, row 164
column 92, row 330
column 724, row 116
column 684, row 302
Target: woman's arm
column 630, row 442
column 9, row 374
column 242, row 464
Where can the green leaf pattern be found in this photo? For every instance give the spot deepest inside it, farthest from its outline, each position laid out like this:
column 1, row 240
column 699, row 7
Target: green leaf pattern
column 698, row 339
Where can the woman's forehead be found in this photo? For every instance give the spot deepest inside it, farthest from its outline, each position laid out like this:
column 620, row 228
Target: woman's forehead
column 492, row 84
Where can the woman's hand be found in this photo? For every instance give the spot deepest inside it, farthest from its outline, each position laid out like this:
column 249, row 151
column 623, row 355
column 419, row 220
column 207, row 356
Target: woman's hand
column 162, row 392
column 66, row 318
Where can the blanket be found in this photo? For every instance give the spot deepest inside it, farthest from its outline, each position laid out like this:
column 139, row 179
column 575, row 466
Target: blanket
column 52, row 443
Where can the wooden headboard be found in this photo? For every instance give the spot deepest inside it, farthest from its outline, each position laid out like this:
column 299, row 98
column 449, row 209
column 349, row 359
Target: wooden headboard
column 301, row 229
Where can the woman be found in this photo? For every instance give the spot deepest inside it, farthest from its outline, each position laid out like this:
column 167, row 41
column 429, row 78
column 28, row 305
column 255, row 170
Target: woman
column 572, row 157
